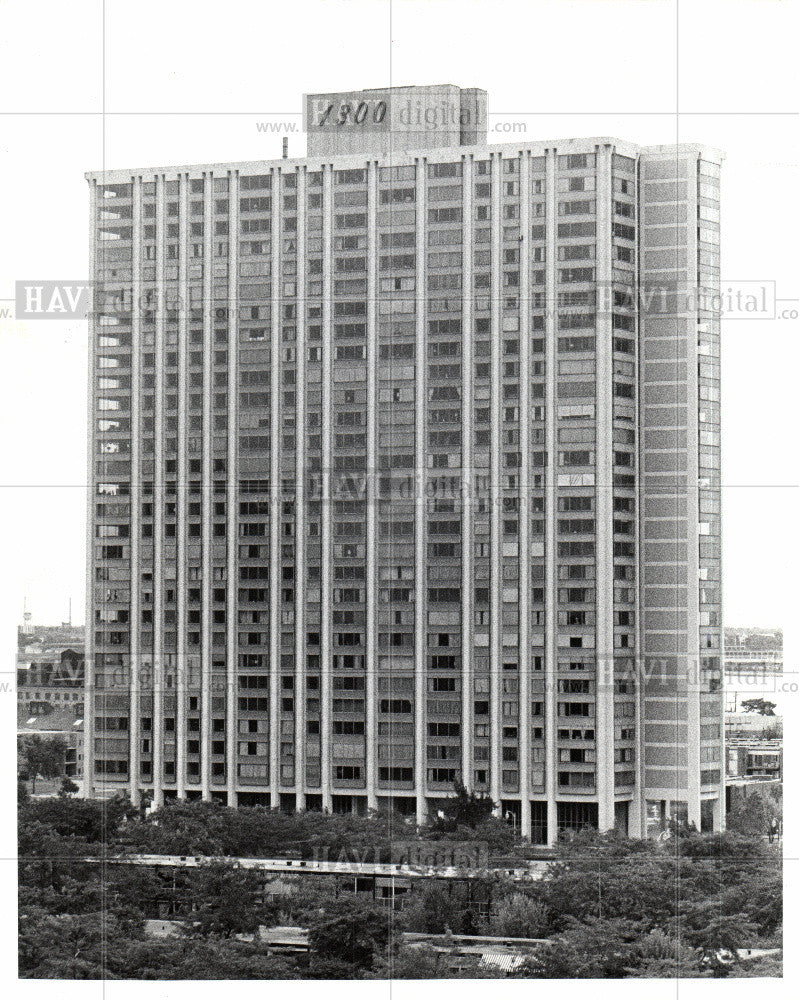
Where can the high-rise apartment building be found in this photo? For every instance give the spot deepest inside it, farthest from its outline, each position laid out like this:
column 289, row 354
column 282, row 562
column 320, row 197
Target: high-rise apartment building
column 405, row 470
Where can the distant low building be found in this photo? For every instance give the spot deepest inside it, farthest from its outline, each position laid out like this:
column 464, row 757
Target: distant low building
column 754, row 759
column 753, row 725
column 752, row 651
column 50, row 687
column 61, row 723
column 51, row 667
column 753, row 662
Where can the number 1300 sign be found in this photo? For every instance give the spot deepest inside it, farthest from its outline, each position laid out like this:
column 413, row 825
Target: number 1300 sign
column 363, row 113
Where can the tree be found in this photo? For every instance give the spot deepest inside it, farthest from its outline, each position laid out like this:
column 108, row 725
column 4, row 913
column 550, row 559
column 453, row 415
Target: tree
column 420, row 961
column 519, row 915
column 712, row 932
column 49, row 862
column 492, row 831
column 607, row 877
column 657, row 955
column 223, row 901
column 134, row 886
column 760, row 705
column 591, row 949
column 91, row 819
column 602, row 880
column 67, row 946
column 44, row 758
column 752, row 814
column 210, row 828
column 309, row 901
column 98, row 946
column 464, row 809
column 348, row 937
column 68, row 787
column 416, row 962
column 766, row 967
column 611, row 906
column 179, row 827
column 440, row 907
column 207, row 958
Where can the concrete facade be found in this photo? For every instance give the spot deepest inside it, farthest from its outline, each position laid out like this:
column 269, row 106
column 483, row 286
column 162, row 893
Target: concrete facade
column 397, row 481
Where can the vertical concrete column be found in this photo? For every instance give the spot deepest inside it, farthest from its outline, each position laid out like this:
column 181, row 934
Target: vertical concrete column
column 327, row 461
column 467, row 478
column 637, row 820
column 158, row 496
column 524, row 495
column 604, row 728
column 550, row 591
column 134, row 721
column 372, row 291
column 91, row 516
column 420, row 480
column 720, row 803
column 232, row 497
column 688, row 169
column 496, row 482
column 182, row 489
column 300, row 517
column 275, row 506
column 207, row 489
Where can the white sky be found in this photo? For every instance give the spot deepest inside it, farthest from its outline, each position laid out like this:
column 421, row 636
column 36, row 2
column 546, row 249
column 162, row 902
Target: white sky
column 188, row 81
